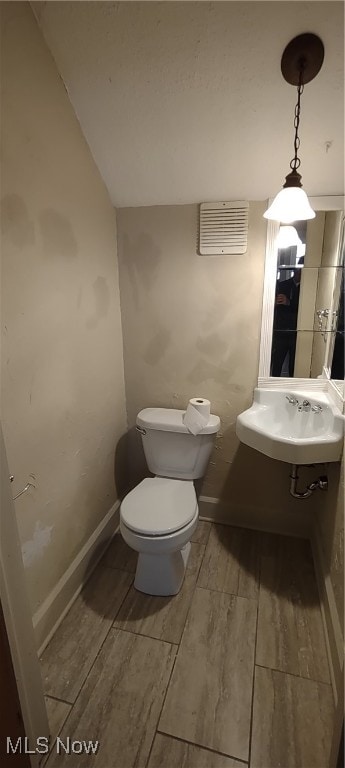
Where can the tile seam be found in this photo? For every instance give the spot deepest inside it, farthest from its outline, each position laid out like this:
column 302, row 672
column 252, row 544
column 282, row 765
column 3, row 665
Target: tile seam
column 57, row 698
column 254, row 660
column 293, row 674
column 202, row 746
column 161, row 709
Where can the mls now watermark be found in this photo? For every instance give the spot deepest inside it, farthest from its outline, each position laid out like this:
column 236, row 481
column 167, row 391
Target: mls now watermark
column 68, row 747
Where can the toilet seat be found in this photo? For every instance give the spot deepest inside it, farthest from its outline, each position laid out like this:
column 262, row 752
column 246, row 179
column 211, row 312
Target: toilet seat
column 159, row 506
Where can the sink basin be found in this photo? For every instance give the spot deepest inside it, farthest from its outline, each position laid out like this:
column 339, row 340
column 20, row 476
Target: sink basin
column 276, row 427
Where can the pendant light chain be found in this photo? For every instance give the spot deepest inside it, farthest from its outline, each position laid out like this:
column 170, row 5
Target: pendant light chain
column 301, row 61
column 295, row 162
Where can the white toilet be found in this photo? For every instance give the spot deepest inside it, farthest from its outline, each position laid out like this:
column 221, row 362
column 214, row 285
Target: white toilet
column 159, row 516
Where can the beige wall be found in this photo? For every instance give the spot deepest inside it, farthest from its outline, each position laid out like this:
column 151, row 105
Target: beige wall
column 330, row 522
column 191, row 327
column 191, row 323
column 63, row 402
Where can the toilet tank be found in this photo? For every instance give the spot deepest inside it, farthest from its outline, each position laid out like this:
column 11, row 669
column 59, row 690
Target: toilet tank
column 170, row 449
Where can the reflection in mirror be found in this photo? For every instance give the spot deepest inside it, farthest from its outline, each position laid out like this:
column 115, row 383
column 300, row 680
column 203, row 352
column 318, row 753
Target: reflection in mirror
column 338, row 363
column 335, row 361
column 309, row 296
column 290, row 260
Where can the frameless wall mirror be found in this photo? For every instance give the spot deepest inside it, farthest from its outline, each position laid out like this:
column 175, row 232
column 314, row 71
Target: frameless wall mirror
column 303, row 311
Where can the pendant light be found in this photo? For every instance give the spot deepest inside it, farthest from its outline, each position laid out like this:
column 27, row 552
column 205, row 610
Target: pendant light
column 301, row 61
column 288, row 237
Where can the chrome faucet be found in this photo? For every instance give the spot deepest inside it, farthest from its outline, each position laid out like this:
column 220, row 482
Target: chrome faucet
column 291, row 399
column 316, row 408
column 305, row 406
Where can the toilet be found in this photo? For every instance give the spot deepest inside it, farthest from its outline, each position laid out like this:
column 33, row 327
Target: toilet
column 160, row 515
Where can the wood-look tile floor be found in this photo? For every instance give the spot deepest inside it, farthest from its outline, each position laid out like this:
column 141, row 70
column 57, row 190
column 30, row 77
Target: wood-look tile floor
column 230, row 672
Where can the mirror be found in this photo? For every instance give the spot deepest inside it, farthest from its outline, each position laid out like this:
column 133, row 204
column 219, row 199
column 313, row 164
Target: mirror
column 334, row 364
column 304, row 297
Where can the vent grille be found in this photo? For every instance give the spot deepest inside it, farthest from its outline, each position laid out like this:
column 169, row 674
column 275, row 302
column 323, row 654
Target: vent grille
column 223, row 228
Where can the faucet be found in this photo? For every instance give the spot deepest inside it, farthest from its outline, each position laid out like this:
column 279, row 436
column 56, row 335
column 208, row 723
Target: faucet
column 316, row 408
column 305, row 406
column 291, row 399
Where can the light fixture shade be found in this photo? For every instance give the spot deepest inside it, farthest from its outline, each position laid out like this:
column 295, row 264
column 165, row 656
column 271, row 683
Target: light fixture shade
column 290, row 204
column 287, row 237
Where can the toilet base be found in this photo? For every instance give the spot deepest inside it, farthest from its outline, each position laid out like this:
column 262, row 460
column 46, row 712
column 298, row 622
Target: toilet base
column 161, row 574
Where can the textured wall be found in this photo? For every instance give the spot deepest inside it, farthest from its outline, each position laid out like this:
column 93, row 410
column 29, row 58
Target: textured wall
column 330, row 520
column 191, row 323
column 63, row 403
column 191, row 327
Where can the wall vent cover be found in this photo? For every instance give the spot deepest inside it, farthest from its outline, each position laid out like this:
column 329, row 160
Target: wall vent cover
column 223, row 228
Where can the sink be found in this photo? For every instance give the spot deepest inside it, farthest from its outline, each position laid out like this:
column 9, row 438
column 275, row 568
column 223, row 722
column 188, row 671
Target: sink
column 283, row 430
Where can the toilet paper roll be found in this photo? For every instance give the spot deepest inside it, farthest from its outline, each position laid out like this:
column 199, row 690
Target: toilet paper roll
column 197, row 414
column 201, row 405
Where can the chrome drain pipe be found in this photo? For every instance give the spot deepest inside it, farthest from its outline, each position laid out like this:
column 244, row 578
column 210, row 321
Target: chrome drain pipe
column 321, row 482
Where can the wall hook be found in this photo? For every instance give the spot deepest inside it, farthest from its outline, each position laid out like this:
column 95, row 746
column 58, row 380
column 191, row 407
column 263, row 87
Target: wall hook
column 28, row 485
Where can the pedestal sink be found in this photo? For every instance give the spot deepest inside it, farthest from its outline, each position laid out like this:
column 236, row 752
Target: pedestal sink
column 293, row 426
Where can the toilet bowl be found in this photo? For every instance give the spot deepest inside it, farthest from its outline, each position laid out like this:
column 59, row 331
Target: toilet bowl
column 159, row 516
column 158, row 519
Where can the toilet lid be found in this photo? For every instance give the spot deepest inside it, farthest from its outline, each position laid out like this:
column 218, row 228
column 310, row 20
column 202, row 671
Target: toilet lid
column 159, row 505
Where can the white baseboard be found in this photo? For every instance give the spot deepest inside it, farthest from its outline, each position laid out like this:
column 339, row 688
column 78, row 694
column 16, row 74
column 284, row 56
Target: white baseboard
column 50, row 614
column 330, row 616
column 272, row 521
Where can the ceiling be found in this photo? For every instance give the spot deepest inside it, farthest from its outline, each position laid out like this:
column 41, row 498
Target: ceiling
column 184, row 102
